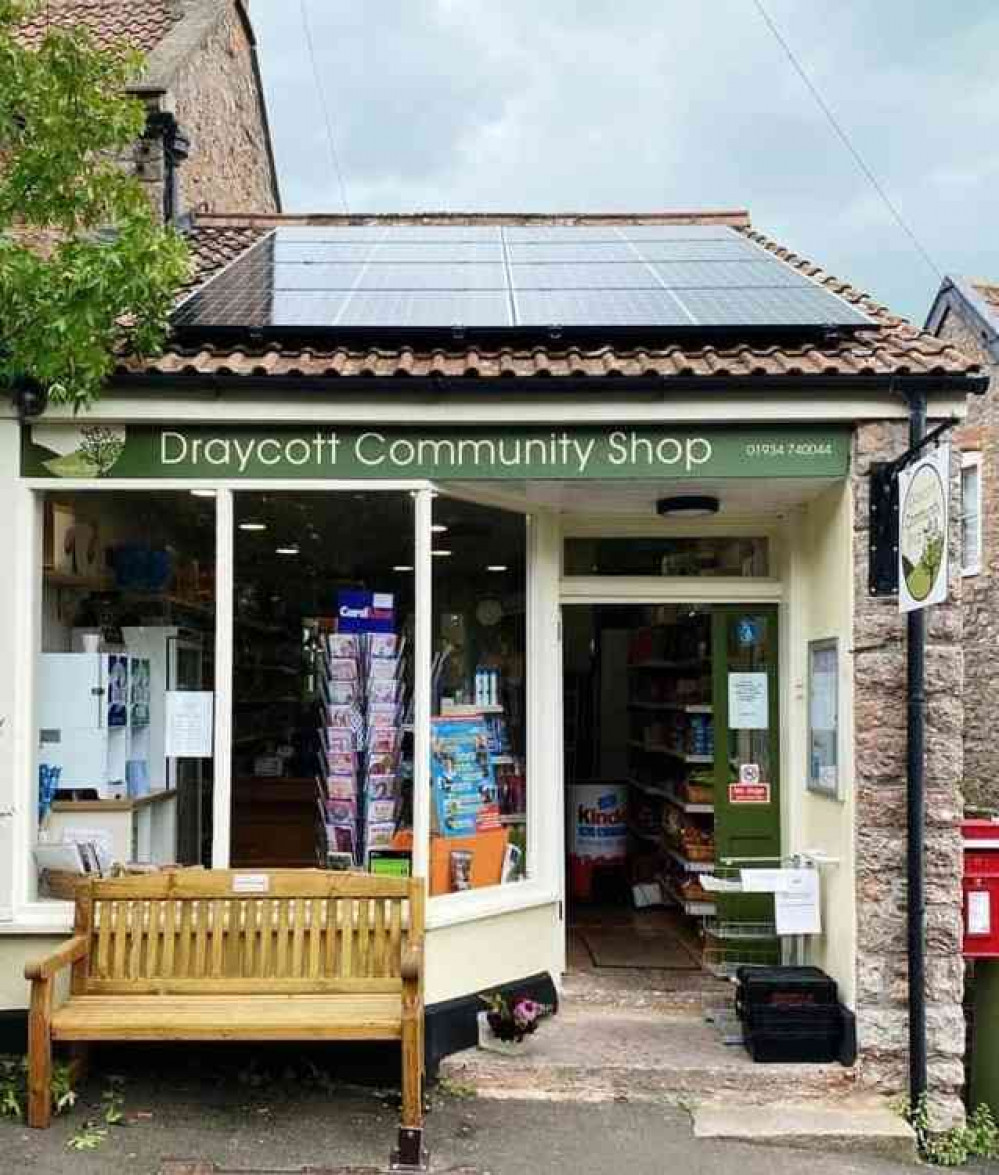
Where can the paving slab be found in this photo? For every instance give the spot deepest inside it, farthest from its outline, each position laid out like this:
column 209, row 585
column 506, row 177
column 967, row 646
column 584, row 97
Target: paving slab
column 855, row 1125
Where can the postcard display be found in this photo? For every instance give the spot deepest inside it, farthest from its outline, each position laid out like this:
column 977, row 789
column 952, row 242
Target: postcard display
column 364, row 775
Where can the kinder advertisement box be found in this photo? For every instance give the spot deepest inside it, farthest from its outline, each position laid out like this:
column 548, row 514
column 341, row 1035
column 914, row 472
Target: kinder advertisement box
column 600, row 820
column 598, row 832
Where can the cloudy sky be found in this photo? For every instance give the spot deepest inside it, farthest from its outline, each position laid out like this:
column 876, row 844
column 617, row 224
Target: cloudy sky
column 640, row 105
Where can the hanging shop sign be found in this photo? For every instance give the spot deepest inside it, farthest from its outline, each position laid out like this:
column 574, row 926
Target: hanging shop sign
column 200, row 451
column 923, row 524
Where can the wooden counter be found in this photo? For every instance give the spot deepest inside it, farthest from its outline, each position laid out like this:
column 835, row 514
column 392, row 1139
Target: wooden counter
column 273, row 822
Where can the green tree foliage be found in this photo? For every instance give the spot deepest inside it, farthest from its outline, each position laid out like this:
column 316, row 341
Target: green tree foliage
column 86, row 269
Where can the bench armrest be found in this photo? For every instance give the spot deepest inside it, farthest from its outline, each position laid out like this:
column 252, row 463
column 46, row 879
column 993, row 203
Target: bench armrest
column 70, row 952
column 411, row 967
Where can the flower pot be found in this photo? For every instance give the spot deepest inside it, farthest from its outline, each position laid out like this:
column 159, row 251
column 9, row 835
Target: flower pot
column 491, row 1043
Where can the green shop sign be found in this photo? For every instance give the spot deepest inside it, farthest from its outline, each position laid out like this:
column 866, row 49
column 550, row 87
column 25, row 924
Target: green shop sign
column 202, row 451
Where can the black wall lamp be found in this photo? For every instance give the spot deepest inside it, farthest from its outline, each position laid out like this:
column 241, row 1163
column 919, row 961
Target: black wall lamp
column 29, row 397
column 688, row 506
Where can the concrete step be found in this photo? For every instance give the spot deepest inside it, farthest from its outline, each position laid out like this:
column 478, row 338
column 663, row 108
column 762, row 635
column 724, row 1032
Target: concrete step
column 595, row 1053
column 856, row 1124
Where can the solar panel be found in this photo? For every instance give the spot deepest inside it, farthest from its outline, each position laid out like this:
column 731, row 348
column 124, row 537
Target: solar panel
column 393, row 276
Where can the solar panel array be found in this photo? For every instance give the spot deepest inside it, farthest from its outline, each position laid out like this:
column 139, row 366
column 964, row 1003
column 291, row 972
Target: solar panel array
column 491, row 276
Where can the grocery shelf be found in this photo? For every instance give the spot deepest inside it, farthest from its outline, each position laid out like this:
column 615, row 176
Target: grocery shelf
column 685, row 806
column 651, row 837
column 688, row 866
column 659, row 749
column 694, row 909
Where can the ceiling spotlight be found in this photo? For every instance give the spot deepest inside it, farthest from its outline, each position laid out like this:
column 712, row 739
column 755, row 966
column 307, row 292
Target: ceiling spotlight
column 497, row 567
column 286, row 550
column 202, row 493
column 402, row 567
column 441, row 554
column 253, row 526
column 688, row 506
column 438, row 528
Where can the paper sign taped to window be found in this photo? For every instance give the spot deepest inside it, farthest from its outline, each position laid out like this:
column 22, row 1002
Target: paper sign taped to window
column 189, row 724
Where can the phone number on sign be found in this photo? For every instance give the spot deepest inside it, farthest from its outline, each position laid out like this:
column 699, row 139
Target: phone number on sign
column 790, row 449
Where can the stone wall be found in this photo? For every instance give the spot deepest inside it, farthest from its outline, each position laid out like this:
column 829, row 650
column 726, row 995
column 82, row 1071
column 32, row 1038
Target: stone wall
column 219, row 105
column 980, row 432
column 880, row 780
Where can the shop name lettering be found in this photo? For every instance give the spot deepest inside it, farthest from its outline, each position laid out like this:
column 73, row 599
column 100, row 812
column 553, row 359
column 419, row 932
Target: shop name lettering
column 375, row 450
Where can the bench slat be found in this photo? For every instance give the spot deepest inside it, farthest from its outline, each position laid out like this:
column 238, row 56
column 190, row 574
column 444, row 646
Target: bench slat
column 206, row 1017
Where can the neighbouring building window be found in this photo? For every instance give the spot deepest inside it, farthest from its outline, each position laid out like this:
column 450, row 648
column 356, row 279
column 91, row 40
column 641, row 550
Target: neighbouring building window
column 971, row 513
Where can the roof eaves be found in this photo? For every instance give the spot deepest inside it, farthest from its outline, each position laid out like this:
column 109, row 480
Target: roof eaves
column 960, row 295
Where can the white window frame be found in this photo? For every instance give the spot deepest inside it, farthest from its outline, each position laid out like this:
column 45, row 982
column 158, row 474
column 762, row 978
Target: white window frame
column 972, row 460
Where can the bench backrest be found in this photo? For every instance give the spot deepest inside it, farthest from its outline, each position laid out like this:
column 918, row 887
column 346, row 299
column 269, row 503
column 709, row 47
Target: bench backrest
column 226, row 931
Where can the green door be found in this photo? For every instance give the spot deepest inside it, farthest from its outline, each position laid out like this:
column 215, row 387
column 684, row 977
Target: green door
column 747, row 775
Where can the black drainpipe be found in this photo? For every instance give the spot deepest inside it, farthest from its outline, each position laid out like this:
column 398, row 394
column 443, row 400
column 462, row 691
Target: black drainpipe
column 916, row 812
column 176, row 148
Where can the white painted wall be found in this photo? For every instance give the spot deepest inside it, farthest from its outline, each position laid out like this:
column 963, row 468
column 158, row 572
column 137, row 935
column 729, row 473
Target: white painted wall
column 820, row 595
column 470, row 956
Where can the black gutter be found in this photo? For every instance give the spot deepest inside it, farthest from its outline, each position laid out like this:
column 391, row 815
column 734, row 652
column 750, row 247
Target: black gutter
column 536, row 385
column 916, row 813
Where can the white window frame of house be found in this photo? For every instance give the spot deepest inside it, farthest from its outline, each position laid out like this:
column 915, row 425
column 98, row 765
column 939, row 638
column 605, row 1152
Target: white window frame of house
column 541, row 886
column 972, row 566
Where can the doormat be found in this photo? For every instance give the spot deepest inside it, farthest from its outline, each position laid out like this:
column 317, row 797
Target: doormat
column 621, row 947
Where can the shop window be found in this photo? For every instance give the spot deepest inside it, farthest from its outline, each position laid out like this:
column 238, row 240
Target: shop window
column 971, row 513
column 478, row 698
column 658, row 556
column 125, row 684
column 322, row 723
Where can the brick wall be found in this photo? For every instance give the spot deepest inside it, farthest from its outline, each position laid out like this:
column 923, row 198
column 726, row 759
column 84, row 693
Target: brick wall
column 880, row 740
column 981, row 592
column 219, row 106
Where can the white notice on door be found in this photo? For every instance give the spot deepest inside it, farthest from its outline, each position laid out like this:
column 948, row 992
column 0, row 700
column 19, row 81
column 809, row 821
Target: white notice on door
column 748, row 701
column 189, row 724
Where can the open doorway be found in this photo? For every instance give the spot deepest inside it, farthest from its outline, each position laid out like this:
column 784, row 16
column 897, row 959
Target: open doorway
column 671, row 771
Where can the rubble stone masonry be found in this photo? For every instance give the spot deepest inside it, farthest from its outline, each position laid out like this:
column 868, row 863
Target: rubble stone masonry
column 220, row 106
column 980, row 432
column 880, row 779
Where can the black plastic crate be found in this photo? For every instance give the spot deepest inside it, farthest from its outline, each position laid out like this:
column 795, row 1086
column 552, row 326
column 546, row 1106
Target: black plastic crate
column 804, row 1035
column 789, row 987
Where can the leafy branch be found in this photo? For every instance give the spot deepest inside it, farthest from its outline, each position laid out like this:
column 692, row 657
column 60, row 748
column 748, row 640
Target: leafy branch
column 86, row 270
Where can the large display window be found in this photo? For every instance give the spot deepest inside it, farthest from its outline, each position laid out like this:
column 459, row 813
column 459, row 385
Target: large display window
column 125, row 685
column 283, row 677
column 478, row 752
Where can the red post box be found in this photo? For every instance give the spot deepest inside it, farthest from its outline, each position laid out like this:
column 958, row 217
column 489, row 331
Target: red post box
column 981, row 889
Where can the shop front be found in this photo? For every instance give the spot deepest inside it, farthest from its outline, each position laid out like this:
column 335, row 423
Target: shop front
column 562, row 647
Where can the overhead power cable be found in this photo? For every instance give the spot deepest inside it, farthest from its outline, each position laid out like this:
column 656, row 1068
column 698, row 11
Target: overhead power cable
column 320, row 89
column 847, row 142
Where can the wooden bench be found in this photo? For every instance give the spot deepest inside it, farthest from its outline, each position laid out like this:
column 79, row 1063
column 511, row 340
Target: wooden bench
column 289, row 955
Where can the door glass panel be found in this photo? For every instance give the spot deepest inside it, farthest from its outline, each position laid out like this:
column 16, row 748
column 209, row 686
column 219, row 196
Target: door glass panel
column 478, row 769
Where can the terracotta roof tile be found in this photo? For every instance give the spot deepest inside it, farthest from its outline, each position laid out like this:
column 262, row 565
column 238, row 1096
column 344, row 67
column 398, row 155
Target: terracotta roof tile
column 142, row 24
column 892, row 347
